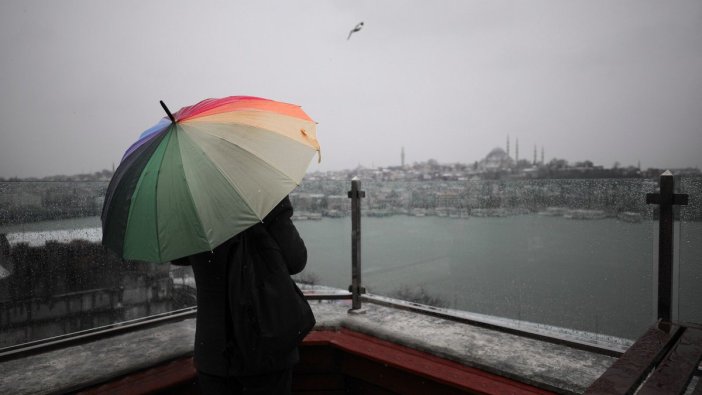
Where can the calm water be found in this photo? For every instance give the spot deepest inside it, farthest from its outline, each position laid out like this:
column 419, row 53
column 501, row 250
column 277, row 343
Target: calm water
column 591, row 275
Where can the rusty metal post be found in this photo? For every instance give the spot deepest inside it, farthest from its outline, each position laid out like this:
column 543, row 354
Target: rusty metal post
column 356, row 288
column 666, row 199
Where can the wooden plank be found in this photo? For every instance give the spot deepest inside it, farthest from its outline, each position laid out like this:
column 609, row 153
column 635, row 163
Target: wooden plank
column 675, row 372
column 425, row 366
column 386, row 379
column 176, row 373
column 627, row 373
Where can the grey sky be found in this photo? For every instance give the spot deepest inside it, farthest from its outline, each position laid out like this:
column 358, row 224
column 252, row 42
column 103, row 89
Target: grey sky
column 601, row 80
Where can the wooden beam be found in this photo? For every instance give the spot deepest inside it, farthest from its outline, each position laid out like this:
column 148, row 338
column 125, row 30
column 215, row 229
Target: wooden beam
column 675, row 372
column 629, row 371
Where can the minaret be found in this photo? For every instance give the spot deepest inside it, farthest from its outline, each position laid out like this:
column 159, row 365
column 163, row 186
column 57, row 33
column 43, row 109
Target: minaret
column 508, row 145
column 402, row 156
column 542, row 154
column 534, row 163
column 516, row 151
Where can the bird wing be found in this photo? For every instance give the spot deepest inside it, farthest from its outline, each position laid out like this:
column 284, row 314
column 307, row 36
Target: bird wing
column 355, row 29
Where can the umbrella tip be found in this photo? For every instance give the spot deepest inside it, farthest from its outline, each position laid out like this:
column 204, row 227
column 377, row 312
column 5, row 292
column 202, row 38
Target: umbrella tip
column 167, row 111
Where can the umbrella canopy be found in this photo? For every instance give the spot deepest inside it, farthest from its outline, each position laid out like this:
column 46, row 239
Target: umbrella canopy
column 209, row 172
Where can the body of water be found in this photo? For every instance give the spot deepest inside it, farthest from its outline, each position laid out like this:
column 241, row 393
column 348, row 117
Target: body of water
column 591, row 275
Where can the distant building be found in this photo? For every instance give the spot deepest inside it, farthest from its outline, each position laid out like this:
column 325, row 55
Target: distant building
column 508, row 151
column 307, row 201
column 339, row 203
column 534, row 162
column 448, row 199
column 496, row 160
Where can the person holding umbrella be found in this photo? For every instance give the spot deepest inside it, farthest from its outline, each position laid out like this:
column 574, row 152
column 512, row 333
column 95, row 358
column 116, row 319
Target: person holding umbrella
column 210, row 189
column 223, row 368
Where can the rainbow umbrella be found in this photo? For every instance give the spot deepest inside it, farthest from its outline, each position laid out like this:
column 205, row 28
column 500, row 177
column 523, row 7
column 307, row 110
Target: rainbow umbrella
column 204, row 174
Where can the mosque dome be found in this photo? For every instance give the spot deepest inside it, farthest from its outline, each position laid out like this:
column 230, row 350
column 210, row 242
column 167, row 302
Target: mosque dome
column 497, row 153
column 497, row 159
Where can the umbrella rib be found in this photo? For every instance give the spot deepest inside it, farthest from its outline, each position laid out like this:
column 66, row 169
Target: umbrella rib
column 268, row 164
column 199, row 220
column 233, row 184
column 134, row 196
column 158, row 237
column 192, row 200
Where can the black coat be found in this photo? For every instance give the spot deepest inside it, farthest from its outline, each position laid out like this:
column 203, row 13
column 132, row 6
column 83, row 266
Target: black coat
column 214, row 328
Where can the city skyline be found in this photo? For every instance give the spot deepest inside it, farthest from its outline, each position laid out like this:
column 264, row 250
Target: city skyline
column 538, row 158
column 518, row 163
column 588, row 80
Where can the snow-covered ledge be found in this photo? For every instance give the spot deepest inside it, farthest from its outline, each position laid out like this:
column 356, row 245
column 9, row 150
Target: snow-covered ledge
column 537, row 362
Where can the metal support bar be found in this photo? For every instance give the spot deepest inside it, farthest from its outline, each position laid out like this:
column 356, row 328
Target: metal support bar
column 666, row 199
column 355, row 288
column 62, row 341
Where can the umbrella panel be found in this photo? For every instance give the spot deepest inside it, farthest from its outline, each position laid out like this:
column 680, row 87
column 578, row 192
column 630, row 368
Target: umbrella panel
column 223, row 210
column 118, row 196
column 277, row 150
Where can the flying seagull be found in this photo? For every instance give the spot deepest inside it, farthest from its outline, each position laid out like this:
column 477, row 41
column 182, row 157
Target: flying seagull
column 355, row 29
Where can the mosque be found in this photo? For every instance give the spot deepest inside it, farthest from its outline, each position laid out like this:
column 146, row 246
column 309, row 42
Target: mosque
column 500, row 159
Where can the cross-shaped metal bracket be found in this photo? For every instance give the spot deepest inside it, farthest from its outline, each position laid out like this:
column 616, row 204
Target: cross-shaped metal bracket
column 666, row 199
column 666, row 196
column 359, row 194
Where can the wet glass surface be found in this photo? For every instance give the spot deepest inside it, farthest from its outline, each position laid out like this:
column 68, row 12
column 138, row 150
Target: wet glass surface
column 56, row 277
column 575, row 254
column 690, row 251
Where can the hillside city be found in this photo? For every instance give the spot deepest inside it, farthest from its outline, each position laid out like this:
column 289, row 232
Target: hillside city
column 497, row 185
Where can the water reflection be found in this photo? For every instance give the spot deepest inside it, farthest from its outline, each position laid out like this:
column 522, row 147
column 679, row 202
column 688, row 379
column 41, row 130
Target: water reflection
column 52, row 287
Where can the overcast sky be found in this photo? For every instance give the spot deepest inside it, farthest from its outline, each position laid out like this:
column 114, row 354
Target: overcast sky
column 600, row 80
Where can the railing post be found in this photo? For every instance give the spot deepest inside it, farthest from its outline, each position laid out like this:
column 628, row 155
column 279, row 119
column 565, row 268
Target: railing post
column 355, row 288
column 666, row 198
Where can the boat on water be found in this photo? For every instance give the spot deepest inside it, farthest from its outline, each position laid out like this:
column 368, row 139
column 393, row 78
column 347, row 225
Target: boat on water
column 585, row 214
column 629, row 216
column 305, row 216
column 554, row 211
